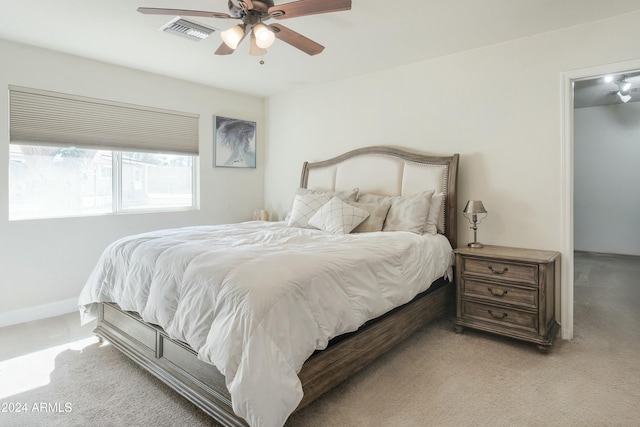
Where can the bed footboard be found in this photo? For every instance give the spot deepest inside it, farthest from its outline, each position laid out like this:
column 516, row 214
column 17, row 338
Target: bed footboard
column 178, row 366
column 171, row 361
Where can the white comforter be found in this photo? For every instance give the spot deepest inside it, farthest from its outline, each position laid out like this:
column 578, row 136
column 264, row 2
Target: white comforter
column 256, row 299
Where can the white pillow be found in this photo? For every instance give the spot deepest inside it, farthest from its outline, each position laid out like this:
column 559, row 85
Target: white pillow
column 377, row 214
column 432, row 224
column 338, row 217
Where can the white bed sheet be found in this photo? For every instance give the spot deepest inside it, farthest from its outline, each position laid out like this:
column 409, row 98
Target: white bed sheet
column 256, row 299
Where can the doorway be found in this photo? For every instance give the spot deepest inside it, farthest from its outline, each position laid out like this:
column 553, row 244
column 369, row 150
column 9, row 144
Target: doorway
column 570, row 80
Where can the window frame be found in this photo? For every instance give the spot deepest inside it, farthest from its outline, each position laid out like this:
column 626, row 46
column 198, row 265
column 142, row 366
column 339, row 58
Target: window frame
column 117, row 205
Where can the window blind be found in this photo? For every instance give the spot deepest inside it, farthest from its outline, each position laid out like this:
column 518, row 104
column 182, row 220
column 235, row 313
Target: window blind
column 40, row 117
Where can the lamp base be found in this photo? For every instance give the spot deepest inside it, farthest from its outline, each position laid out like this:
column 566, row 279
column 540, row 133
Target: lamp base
column 475, row 245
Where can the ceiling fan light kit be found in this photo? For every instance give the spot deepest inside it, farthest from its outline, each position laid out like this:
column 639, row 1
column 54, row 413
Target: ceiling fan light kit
column 254, row 48
column 264, row 36
column 253, row 14
column 233, row 36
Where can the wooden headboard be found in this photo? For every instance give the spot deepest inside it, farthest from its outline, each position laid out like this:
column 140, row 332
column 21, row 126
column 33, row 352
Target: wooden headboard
column 390, row 171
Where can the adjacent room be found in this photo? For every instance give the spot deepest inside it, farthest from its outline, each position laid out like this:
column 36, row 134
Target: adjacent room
column 319, row 213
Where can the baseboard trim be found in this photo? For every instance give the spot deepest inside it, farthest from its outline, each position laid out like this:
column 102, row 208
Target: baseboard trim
column 38, row 312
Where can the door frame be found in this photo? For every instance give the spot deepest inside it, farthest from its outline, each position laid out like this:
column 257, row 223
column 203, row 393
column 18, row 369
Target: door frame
column 567, row 172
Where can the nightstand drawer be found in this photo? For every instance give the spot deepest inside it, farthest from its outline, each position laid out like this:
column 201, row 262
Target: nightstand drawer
column 500, row 316
column 500, row 292
column 524, row 273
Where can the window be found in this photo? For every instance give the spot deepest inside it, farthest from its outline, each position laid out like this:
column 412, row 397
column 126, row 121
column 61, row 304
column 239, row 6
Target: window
column 72, row 156
column 47, row 181
column 154, row 181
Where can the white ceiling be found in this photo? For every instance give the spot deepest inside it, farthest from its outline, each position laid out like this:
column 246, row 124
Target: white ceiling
column 373, row 36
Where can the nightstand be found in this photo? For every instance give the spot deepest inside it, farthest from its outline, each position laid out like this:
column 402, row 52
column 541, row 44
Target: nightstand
column 508, row 291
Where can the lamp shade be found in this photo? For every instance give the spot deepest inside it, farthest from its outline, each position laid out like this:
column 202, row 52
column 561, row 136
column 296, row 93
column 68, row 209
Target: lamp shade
column 264, row 36
column 233, row 36
column 474, row 207
column 254, row 48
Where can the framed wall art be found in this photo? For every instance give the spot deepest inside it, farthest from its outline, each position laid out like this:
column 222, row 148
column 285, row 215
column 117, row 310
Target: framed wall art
column 234, row 143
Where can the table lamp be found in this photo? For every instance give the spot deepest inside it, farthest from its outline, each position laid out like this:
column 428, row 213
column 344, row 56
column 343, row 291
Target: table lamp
column 471, row 211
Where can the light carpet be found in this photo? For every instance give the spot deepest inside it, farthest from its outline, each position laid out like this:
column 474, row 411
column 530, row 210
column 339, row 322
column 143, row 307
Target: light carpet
column 434, row 378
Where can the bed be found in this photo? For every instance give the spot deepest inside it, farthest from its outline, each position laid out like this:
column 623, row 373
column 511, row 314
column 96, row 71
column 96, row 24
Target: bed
column 346, row 334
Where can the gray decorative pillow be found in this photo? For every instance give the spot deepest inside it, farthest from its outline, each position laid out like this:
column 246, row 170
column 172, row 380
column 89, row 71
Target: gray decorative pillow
column 338, row 217
column 377, row 214
column 407, row 213
column 372, row 198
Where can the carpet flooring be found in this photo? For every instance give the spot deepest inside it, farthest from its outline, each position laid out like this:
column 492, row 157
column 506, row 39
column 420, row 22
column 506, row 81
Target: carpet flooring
column 53, row 373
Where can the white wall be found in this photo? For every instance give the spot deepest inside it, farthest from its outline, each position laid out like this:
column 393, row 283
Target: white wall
column 44, row 263
column 500, row 107
column 607, row 179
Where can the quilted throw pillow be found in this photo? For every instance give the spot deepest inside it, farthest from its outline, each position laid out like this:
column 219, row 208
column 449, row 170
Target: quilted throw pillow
column 338, row 217
column 307, row 202
column 305, row 206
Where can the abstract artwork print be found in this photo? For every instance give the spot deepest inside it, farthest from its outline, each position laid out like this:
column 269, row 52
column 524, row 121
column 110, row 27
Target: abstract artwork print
column 234, row 142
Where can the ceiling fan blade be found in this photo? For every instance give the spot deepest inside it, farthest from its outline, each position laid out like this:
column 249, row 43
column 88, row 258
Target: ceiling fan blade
column 296, row 40
column 223, row 49
column 308, row 7
column 183, row 12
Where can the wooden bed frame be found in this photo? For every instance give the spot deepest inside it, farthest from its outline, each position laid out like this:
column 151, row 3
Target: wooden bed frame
column 177, row 365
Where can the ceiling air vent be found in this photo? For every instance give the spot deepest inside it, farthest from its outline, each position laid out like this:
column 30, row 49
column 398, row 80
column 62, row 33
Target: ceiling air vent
column 187, row 29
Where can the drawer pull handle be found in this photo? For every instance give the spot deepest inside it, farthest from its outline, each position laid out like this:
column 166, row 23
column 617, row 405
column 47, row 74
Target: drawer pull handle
column 504, row 270
column 496, row 316
column 497, row 294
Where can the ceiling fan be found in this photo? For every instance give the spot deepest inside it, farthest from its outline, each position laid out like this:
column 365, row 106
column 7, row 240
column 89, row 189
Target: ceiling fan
column 253, row 14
